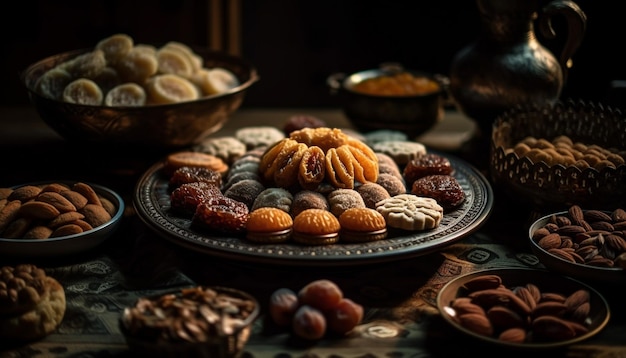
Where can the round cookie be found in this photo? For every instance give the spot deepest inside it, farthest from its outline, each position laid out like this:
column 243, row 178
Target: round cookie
column 383, row 135
column 37, row 308
column 227, row 148
column 401, row 151
column 269, row 225
column 362, row 225
column 372, row 193
column 274, row 198
column 181, row 159
column 308, row 199
column 316, row 227
column 232, row 180
column 411, row 212
column 260, row 136
column 392, row 184
column 341, row 200
column 245, row 191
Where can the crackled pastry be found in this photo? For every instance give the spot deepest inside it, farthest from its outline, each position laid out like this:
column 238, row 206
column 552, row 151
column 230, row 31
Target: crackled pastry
column 221, row 214
column 341, row 200
column 372, row 193
column 308, row 199
column 362, row 225
column 443, row 188
column 245, row 191
column 260, row 136
column 411, row 212
column 269, row 225
column 392, row 184
column 402, row 151
column 185, row 175
column 386, row 164
column 274, row 198
column 227, row 148
column 186, row 198
column 345, row 159
column 316, row 227
column 32, row 304
column 427, row 164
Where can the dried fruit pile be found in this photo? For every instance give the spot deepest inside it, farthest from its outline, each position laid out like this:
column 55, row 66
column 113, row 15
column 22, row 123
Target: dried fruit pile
column 317, row 309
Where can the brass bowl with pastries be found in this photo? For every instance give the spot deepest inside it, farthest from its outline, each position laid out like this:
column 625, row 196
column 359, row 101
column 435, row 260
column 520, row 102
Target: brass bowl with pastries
column 550, row 157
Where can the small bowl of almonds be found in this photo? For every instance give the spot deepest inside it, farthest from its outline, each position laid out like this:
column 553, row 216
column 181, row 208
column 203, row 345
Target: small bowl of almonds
column 552, row 156
column 589, row 245
column 57, row 218
column 200, row 321
column 523, row 308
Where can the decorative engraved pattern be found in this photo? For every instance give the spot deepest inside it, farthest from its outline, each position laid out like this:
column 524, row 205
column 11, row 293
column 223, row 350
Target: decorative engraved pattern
column 541, row 185
column 152, row 204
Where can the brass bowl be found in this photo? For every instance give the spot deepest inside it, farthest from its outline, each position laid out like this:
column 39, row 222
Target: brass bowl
column 412, row 114
column 552, row 186
column 154, row 126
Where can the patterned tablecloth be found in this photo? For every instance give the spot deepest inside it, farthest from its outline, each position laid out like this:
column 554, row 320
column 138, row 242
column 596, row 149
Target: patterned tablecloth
column 401, row 319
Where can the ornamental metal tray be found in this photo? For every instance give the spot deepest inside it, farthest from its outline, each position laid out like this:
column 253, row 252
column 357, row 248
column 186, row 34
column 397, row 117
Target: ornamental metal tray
column 152, row 202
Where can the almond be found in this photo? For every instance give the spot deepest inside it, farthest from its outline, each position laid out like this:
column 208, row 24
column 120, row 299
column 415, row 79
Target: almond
column 483, row 282
column 576, row 214
column 618, row 215
column 465, row 306
column 38, row 232
column 8, row 213
column 39, row 210
column 550, row 328
column 87, row 191
column 95, row 215
column 65, row 230
column 551, row 308
column 476, row 323
column 503, row 317
column 57, row 200
column 77, row 199
column 596, row 215
column 562, row 254
column 513, row 335
column 551, row 241
column 25, row 193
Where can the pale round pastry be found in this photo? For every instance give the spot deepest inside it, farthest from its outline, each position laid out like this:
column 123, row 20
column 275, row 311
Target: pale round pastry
column 274, row 198
column 372, row 193
column 382, row 135
column 37, row 306
column 269, row 225
column 228, row 148
column 308, row 199
column 411, row 212
column 190, row 158
column 401, row 151
column 341, row 200
column 316, row 227
column 254, row 137
column 362, row 225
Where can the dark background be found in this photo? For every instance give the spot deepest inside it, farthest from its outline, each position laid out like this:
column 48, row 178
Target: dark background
column 296, row 45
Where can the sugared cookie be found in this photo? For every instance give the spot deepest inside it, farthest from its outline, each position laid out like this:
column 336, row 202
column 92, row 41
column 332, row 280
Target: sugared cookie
column 362, row 225
column 193, row 159
column 386, row 164
column 274, row 198
column 401, row 151
column 392, row 184
column 245, row 191
column 316, row 227
column 411, row 212
column 341, row 200
column 308, row 199
column 427, row 164
column 32, row 304
column 443, row 188
column 227, row 148
column 372, row 193
column 260, row 136
column 269, row 225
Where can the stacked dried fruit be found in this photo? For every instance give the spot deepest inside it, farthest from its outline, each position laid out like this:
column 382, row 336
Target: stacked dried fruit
column 590, row 237
column 521, row 314
column 319, row 307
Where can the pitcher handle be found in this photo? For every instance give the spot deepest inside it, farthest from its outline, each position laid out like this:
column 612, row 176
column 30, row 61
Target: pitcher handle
column 576, row 27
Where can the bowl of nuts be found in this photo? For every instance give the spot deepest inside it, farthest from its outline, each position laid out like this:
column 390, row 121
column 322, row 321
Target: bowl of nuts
column 127, row 93
column 552, row 156
column 588, row 245
column 57, row 218
column 198, row 321
column 523, row 308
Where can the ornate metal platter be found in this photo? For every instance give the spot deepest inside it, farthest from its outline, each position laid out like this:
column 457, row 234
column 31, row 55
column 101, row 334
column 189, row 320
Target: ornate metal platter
column 152, row 202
